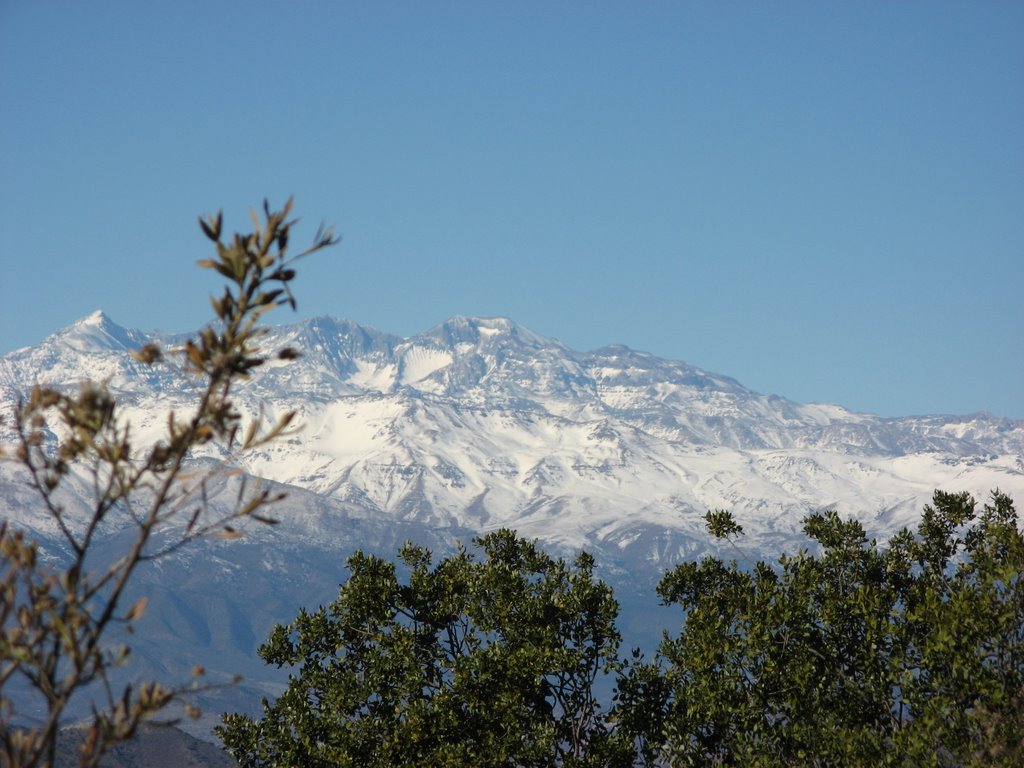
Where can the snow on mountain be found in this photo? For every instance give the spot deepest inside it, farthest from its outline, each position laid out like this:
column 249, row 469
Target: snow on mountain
column 479, row 423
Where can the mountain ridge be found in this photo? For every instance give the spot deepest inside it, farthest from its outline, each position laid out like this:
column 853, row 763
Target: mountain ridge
column 539, row 414
column 478, row 424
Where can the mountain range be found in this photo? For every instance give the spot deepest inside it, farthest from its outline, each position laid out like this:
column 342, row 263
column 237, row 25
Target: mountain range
column 477, row 424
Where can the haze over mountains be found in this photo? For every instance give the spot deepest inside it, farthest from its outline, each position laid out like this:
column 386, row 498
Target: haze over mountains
column 477, row 424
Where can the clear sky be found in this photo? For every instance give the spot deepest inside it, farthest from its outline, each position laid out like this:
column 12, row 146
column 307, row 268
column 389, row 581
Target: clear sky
column 824, row 200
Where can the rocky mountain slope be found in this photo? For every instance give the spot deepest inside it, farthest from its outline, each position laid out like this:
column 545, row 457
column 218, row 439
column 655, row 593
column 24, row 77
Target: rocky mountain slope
column 480, row 423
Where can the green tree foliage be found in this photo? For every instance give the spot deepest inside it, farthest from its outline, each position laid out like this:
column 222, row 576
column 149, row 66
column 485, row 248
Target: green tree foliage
column 55, row 620
column 910, row 654
column 907, row 654
column 466, row 662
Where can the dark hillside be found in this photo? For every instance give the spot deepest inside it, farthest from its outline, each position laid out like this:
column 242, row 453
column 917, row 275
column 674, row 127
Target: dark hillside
column 153, row 748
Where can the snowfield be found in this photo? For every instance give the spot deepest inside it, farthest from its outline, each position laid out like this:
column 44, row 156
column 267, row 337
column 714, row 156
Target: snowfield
column 479, row 424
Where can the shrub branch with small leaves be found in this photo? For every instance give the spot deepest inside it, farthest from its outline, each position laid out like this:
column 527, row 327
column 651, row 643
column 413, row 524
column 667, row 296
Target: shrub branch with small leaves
column 56, row 621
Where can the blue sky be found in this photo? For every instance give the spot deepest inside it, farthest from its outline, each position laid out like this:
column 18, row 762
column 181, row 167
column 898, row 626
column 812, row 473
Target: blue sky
column 823, row 200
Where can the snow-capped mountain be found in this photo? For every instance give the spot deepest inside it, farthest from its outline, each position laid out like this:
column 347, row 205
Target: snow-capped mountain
column 480, row 423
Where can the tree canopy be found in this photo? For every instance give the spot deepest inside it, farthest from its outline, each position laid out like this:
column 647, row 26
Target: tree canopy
column 907, row 653
column 488, row 661
column 910, row 653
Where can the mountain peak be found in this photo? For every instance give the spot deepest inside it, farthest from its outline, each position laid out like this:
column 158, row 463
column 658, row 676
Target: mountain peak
column 97, row 332
column 461, row 329
column 490, row 322
column 96, row 318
